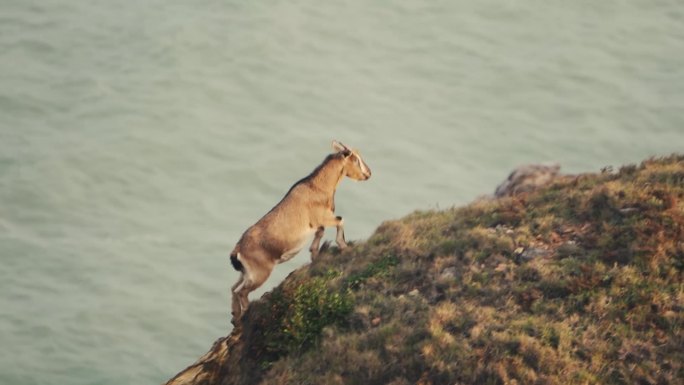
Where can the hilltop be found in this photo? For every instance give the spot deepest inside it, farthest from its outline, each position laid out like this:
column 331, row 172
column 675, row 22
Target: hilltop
column 576, row 282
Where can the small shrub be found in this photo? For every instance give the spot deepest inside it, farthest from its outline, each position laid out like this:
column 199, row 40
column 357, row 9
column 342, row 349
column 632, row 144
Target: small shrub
column 314, row 307
column 299, row 315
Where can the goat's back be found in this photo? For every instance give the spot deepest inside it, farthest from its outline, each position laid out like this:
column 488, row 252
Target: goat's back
column 286, row 227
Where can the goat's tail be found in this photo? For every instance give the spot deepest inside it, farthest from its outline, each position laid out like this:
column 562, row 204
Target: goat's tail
column 237, row 265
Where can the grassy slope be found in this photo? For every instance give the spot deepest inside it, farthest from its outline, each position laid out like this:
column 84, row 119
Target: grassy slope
column 577, row 283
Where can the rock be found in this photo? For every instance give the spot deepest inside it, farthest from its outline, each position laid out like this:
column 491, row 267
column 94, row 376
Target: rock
column 448, row 273
column 569, row 249
column 501, row 268
column 529, row 253
column 532, row 309
column 527, row 178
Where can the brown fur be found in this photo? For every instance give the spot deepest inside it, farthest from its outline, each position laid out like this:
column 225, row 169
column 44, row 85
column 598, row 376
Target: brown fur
column 307, row 208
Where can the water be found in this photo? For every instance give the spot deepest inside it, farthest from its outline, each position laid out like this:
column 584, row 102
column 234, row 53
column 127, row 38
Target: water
column 139, row 139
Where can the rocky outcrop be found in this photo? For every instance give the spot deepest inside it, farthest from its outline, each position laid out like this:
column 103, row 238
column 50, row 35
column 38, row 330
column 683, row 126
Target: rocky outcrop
column 527, row 178
column 577, row 281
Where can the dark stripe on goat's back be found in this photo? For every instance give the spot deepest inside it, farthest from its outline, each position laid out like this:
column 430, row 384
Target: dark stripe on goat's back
column 318, row 169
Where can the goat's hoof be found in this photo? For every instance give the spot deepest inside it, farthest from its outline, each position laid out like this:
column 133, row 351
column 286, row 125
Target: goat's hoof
column 342, row 245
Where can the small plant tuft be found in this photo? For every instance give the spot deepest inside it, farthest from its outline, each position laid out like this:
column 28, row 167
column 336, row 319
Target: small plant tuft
column 379, row 268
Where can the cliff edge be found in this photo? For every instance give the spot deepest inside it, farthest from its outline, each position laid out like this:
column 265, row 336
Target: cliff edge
column 576, row 282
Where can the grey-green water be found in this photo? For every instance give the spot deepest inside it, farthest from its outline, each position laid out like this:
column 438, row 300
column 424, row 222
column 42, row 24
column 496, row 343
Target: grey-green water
column 139, row 139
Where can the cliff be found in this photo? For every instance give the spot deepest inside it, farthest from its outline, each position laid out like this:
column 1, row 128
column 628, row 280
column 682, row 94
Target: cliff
column 576, row 282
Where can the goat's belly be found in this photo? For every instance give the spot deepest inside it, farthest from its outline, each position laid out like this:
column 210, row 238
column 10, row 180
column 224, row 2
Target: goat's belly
column 294, row 246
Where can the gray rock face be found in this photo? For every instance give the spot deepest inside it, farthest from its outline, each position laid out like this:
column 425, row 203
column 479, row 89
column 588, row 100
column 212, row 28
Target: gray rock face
column 527, row 178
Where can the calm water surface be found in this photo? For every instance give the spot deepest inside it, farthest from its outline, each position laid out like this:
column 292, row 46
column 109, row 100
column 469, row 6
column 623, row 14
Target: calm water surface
column 139, row 139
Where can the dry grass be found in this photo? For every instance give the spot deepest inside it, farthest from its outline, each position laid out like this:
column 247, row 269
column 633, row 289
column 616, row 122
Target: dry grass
column 577, row 283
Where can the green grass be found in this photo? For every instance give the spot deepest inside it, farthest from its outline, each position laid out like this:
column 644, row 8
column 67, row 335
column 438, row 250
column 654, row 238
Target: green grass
column 296, row 314
column 378, row 268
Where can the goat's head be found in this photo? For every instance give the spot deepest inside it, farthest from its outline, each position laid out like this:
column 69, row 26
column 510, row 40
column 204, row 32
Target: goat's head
column 354, row 166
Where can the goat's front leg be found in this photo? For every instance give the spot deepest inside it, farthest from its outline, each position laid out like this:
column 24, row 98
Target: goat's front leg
column 341, row 243
column 314, row 249
column 339, row 223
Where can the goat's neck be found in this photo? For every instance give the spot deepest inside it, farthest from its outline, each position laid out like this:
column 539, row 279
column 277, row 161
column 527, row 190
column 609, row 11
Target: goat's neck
column 328, row 176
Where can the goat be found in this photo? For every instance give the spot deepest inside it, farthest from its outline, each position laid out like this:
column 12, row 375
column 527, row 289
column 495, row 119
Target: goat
column 307, row 208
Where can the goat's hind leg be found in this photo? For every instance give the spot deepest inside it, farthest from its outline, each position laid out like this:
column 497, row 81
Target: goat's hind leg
column 236, row 307
column 251, row 281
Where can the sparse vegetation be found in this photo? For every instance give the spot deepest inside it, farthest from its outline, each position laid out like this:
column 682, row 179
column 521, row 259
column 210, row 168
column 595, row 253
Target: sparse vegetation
column 580, row 282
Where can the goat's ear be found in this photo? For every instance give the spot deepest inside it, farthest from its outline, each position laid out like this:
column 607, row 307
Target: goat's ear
column 339, row 147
